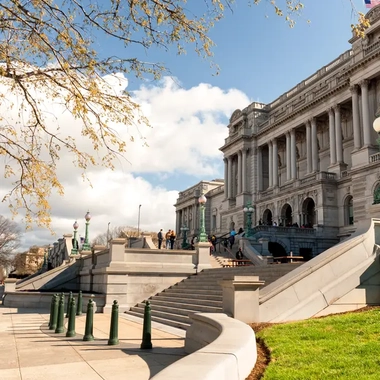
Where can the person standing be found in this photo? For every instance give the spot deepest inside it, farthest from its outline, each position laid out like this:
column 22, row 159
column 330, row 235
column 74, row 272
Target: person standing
column 167, row 238
column 172, row 239
column 160, row 237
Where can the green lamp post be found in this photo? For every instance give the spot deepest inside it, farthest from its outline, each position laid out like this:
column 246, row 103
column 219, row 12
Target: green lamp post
column 184, row 230
column 86, row 244
column 248, row 210
column 202, row 229
column 376, row 127
column 74, row 250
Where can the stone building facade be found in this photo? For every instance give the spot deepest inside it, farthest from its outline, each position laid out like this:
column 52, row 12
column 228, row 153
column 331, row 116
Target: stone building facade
column 310, row 158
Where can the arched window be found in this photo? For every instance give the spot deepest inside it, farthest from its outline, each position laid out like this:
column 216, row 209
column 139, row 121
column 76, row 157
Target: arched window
column 348, row 211
column 376, row 194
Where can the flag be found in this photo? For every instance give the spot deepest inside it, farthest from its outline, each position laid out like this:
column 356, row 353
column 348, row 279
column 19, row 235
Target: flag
column 371, row 3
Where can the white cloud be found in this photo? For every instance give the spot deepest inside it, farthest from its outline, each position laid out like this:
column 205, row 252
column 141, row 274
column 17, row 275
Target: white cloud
column 188, row 127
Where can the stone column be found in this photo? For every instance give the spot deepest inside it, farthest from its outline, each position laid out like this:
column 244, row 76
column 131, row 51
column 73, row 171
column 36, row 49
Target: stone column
column 244, row 170
column 314, row 145
column 293, row 156
column 308, row 147
column 338, row 135
column 230, row 177
column 288, row 158
column 239, row 173
column 355, row 117
column 270, row 164
column 259, row 175
column 365, row 109
column 225, row 178
column 332, row 137
column 275, row 163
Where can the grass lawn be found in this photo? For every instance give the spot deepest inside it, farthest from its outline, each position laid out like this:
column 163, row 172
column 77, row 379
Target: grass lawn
column 343, row 346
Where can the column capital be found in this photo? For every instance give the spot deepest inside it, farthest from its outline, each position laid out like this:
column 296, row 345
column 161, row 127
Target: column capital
column 354, row 88
column 336, row 107
column 364, row 83
column 308, row 122
column 331, row 111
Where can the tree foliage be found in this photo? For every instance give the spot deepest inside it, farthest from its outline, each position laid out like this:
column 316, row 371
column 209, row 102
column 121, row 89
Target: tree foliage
column 120, row 232
column 10, row 236
column 48, row 50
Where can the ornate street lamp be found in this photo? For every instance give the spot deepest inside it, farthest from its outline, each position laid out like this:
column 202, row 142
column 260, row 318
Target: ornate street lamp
column 184, row 230
column 74, row 250
column 202, row 229
column 248, row 210
column 86, row 244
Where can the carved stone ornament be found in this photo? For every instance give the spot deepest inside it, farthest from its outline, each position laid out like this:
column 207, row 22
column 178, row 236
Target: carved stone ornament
column 373, row 14
column 235, row 115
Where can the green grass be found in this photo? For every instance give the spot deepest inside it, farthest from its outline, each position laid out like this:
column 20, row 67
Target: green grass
column 345, row 346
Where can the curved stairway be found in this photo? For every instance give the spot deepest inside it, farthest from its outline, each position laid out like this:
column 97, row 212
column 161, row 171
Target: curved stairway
column 201, row 293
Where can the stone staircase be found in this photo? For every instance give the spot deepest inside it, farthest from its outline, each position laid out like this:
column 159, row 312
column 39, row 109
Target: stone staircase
column 201, row 293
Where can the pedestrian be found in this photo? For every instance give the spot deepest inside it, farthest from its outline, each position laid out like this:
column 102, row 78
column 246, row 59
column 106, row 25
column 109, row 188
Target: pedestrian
column 160, row 237
column 167, row 239
column 231, row 240
column 239, row 256
column 172, row 239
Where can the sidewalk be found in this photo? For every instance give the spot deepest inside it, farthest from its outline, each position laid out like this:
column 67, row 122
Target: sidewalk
column 29, row 351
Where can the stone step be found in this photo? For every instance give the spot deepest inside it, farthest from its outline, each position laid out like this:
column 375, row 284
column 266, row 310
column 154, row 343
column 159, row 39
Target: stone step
column 168, row 322
column 182, row 308
column 211, row 297
column 200, row 286
column 194, row 292
column 164, row 314
column 173, row 301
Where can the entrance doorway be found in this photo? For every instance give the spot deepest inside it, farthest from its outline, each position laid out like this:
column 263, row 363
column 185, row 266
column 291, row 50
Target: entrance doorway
column 286, row 215
column 267, row 217
column 308, row 213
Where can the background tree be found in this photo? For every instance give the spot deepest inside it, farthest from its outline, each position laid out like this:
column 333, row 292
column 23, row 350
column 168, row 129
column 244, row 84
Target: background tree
column 47, row 51
column 121, row 232
column 10, row 236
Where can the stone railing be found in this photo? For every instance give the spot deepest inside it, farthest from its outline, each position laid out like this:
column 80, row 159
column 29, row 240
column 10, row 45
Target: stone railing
column 345, row 174
column 220, row 347
column 371, row 48
column 284, row 230
column 326, row 176
column 374, row 157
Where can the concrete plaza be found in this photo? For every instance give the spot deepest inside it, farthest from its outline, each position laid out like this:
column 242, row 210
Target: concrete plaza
column 30, row 351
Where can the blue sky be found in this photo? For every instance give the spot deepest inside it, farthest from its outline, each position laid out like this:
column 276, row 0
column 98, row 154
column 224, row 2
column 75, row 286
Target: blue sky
column 260, row 55
column 260, row 58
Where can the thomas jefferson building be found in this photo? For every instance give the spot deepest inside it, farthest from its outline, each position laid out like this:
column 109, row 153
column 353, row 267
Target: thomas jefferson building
column 308, row 159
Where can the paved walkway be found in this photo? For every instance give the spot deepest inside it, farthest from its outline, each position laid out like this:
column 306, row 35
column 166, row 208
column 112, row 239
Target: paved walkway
column 30, row 351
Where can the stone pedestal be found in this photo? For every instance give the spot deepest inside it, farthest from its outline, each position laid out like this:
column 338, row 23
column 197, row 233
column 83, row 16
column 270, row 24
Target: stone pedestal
column 202, row 258
column 241, row 298
column 337, row 169
column 10, row 285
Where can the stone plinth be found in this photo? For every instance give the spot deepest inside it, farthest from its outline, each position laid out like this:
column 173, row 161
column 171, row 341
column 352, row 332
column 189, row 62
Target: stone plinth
column 10, row 285
column 202, row 257
column 241, row 297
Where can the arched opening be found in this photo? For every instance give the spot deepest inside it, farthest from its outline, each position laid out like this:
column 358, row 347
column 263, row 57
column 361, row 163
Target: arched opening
column 276, row 249
column 286, row 215
column 376, row 194
column 267, row 217
column 349, row 211
column 308, row 213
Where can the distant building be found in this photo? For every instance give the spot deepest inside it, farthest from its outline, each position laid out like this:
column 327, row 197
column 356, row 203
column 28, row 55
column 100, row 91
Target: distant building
column 28, row 262
column 310, row 158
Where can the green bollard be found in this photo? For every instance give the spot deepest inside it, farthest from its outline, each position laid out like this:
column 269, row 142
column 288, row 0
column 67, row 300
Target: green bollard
column 146, row 343
column 79, row 303
column 54, row 319
column 71, row 328
column 114, row 328
column 88, row 334
column 61, row 315
column 69, row 304
column 51, row 311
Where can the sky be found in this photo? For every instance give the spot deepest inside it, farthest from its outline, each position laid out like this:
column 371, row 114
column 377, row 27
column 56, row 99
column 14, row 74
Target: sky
column 259, row 57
